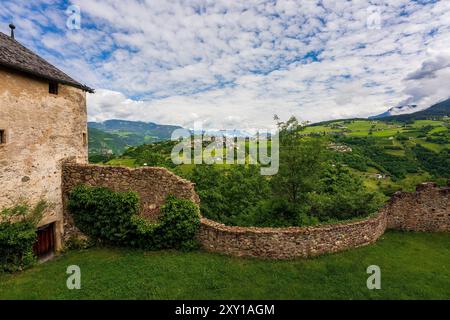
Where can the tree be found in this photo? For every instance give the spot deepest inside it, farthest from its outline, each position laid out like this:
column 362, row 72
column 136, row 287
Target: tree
column 231, row 193
column 301, row 160
column 341, row 194
column 152, row 159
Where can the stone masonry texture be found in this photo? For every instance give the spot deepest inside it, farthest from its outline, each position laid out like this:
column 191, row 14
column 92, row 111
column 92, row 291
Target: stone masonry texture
column 42, row 130
column 426, row 210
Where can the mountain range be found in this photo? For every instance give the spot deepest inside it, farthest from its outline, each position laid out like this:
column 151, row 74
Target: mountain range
column 114, row 136
column 413, row 112
column 150, row 129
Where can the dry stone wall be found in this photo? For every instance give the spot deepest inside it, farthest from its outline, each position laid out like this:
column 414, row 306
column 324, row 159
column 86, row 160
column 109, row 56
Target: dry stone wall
column 427, row 209
column 153, row 184
column 284, row 243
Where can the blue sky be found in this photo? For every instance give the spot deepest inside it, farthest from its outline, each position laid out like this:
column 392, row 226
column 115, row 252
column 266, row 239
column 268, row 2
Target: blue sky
column 234, row 64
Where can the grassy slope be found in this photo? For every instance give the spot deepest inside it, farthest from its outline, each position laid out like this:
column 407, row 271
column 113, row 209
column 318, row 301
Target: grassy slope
column 383, row 131
column 413, row 265
column 361, row 128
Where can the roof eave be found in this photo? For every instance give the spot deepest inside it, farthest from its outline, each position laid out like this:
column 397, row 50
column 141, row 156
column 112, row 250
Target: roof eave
column 38, row 75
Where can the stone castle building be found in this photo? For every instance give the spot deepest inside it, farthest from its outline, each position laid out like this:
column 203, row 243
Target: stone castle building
column 43, row 122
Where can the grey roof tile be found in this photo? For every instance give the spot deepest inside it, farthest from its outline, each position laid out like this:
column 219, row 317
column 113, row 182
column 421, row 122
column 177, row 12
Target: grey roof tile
column 15, row 56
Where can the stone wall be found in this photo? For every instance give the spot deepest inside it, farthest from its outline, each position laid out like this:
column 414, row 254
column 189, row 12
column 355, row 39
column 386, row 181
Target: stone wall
column 153, row 185
column 427, row 209
column 42, row 131
column 284, row 243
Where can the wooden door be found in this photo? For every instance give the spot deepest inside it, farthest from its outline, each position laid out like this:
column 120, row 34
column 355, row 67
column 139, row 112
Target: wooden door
column 45, row 243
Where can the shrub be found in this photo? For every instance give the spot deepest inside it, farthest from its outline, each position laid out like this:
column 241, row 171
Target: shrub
column 278, row 212
column 178, row 224
column 103, row 214
column 18, row 235
column 77, row 243
column 112, row 217
column 344, row 205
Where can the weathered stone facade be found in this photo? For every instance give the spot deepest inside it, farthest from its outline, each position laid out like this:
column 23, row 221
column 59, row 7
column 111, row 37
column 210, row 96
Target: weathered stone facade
column 153, row 184
column 42, row 130
column 427, row 209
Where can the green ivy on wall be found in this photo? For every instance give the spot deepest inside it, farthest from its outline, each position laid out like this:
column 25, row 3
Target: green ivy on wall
column 113, row 218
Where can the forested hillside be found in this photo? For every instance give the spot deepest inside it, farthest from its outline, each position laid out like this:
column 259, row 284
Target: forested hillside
column 113, row 137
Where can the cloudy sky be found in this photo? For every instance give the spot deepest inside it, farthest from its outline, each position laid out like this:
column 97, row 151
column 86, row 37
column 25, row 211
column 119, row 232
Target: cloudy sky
column 234, row 64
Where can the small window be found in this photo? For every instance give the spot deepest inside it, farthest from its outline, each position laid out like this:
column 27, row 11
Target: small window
column 84, row 139
column 53, row 88
column 2, row 136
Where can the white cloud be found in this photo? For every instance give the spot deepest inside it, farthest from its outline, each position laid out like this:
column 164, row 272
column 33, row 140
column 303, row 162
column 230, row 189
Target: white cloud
column 429, row 83
column 236, row 63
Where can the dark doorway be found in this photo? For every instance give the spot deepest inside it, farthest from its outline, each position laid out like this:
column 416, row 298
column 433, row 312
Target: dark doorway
column 45, row 244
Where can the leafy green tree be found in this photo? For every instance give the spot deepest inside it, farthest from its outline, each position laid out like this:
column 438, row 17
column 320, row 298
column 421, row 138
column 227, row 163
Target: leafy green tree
column 229, row 193
column 301, row 162
column 437, row 164
column 209, row 182
column 152, row 159
column 306, row 190
column 342, row 195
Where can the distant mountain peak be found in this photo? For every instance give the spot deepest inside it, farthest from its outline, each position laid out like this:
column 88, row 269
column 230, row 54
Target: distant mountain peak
column 408, row 112
column 409, row 108
column 398, row 110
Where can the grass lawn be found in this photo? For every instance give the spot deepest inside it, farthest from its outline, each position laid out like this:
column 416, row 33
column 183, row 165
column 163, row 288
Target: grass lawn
column 413, row 266
column 423, row 123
